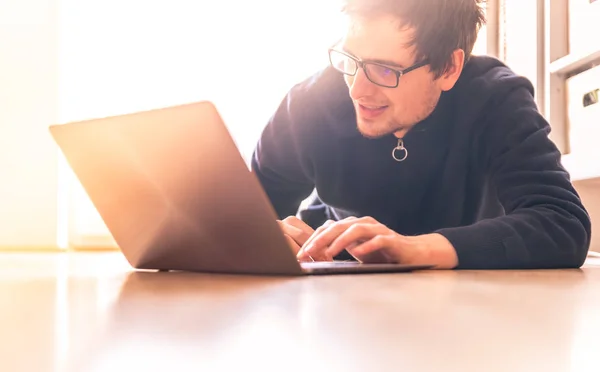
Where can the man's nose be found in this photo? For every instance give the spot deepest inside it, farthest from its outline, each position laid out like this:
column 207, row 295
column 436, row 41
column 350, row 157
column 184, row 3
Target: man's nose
column 360, row 85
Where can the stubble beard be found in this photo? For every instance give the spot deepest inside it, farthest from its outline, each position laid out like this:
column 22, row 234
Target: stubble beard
column 395, row 125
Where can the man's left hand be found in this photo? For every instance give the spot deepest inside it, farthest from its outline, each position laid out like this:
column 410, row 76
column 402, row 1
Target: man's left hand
column 369, row 241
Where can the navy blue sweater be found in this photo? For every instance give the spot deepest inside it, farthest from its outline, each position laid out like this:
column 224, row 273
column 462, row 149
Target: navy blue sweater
column 480, row 170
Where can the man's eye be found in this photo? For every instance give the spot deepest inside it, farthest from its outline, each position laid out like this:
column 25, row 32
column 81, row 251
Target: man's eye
column 384, row 71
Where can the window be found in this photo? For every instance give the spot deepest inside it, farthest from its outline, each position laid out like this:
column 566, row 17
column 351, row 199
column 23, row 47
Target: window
column 520, row 37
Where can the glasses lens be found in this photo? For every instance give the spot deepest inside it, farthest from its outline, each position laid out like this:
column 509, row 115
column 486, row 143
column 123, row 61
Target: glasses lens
column 342, row 62
column 381, row 75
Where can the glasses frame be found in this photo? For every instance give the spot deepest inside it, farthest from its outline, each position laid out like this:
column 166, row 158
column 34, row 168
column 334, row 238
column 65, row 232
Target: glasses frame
column 360, row 64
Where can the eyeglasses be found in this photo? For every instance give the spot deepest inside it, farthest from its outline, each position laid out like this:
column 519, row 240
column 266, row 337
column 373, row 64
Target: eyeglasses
column 377, row 73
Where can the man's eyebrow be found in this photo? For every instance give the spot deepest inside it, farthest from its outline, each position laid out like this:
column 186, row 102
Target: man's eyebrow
column 377, row 60
column 386, row 62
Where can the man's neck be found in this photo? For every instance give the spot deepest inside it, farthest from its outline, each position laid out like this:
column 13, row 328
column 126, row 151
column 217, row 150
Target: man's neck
column 402, row 132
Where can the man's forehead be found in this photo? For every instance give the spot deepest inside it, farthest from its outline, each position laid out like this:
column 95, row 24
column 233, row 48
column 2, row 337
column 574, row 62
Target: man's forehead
column 379, row 37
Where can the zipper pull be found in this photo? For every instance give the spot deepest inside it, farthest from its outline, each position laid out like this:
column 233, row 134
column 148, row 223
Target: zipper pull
column 400, row 153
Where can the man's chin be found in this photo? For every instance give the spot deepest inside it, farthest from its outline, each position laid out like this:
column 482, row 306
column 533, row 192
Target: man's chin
column 373, row 130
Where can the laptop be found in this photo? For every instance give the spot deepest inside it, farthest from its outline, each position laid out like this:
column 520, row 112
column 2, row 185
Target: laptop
column 176, row 194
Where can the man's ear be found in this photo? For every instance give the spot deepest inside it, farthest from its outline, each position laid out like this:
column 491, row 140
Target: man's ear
column 449, row 78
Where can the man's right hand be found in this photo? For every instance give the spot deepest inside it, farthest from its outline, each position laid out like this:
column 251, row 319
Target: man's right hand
column 296, row 232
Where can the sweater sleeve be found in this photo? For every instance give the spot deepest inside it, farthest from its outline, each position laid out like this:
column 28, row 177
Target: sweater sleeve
column 278, row 160
column 545, row 224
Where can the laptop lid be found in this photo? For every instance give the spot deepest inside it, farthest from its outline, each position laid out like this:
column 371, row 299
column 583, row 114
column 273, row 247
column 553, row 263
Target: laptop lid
column 175, row 193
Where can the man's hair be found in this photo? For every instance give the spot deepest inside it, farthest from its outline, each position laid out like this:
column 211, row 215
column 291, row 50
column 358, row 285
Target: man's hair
column 440, row 26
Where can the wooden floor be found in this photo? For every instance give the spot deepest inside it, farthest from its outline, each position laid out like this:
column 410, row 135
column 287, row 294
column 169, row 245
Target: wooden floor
column 91, row 312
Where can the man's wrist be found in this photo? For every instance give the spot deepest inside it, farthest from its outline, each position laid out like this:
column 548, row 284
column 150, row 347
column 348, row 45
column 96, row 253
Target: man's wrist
column 440, row 251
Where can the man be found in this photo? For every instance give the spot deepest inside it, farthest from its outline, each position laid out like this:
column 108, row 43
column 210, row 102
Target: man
column 420, row 153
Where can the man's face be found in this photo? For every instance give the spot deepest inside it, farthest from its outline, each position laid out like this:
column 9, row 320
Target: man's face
column 380, row 110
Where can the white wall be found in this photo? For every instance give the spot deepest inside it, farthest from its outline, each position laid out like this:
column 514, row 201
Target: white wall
column 28, row 97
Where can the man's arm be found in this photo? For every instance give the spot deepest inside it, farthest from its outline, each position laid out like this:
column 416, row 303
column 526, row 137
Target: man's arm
column 546, row 225
column 278, row 160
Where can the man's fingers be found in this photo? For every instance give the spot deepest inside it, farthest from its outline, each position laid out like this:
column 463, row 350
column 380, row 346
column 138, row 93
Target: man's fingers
column 315, row 234
column 356, row 234
column 313, row 256
column 375, row 250
column 292, row 243
column 318, row 231
column 373, row 244
column 298, row 223
column 329, row 234
column 299, row 235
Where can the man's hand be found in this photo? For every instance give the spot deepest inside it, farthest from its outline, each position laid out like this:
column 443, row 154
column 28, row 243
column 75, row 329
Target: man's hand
column 296, row 232
column 372, row 242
